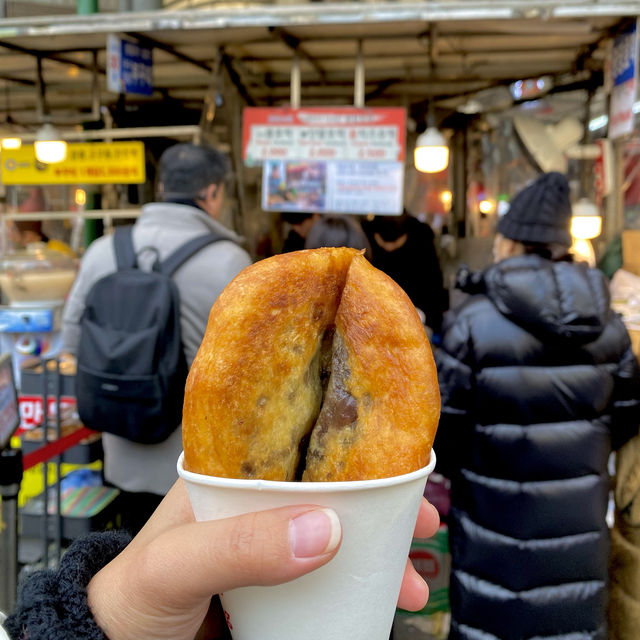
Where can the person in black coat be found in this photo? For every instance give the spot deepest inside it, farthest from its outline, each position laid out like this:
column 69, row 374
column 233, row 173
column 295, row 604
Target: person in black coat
column 403, row 247
column 299, row 224
column 538, row 382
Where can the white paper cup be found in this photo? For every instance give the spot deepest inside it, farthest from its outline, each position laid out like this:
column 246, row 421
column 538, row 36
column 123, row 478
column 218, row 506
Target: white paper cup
column 354, row 596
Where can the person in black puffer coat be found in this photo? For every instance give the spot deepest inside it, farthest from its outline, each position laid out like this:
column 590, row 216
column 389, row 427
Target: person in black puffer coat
column 538, row 382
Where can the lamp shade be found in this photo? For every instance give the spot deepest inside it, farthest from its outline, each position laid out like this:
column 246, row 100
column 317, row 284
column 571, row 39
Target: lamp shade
column 431, row 154
column 49, row 146
column 586, row 221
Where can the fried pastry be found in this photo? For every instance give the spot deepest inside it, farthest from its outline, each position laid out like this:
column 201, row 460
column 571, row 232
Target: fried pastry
column 314, row 366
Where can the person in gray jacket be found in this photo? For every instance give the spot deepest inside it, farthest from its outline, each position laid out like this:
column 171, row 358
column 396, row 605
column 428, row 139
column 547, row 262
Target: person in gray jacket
column 191, row 192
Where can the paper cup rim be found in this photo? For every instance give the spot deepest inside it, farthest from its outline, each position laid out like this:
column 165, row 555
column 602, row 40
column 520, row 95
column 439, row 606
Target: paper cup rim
column 282, row 486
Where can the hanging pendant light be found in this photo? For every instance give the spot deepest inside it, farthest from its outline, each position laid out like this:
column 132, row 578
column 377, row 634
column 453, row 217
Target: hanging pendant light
column 431, row 154
column 49, row 146
column 586, row 221
column 9, row 140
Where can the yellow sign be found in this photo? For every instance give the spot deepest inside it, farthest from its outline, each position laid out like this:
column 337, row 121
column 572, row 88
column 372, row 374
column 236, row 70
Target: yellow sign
column 86, row 163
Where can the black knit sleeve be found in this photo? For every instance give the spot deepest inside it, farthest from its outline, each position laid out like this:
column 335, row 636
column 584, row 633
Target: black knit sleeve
column 52, row 604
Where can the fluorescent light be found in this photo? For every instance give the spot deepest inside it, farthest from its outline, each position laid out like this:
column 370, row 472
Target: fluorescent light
column 431, row 154
column 600, row 122
column 49, row 146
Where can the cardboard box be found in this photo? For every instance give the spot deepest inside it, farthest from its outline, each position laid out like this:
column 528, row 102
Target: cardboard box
column 634, row 334
column 631, row 251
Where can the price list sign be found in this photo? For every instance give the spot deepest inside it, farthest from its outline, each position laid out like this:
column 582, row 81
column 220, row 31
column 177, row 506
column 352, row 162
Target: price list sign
column 340, row 160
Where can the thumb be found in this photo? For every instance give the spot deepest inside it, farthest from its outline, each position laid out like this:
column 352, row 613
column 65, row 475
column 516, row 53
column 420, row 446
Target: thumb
column 261, row 548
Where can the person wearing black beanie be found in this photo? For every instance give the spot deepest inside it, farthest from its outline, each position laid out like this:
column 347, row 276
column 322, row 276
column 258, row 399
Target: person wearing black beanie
column 538, row 383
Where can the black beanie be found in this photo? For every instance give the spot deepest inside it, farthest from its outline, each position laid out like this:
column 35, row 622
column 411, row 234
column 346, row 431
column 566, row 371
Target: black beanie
column 540, row 213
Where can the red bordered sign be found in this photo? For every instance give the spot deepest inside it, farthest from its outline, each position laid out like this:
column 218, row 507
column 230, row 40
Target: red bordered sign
column 320, row 133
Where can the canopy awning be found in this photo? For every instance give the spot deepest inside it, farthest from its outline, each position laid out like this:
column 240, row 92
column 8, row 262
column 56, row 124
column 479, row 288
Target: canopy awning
column 411, row 51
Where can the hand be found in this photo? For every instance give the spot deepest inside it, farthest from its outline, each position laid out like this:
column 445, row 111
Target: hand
column 161, row 585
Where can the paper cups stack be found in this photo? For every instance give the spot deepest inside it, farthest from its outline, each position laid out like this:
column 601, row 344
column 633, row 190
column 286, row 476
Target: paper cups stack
column 354, row 596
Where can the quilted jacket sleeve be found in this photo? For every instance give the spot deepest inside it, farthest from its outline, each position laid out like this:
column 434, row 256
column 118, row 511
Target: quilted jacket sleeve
column 626, row 400
column 455, row 377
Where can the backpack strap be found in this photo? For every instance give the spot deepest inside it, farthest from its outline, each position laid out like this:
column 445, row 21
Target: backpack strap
column 124, row 249
column 173, row 262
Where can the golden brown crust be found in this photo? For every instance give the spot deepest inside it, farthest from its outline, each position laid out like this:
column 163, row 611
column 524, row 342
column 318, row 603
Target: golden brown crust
column 255, row 389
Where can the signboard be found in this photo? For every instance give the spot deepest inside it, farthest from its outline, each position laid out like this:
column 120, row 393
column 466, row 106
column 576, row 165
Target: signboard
column 32, row 409
column 624, row 71
column 339, row 160
column 130, row 67
column 86, row 163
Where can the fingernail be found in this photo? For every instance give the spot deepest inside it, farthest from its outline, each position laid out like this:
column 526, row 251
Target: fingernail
column 314, row 533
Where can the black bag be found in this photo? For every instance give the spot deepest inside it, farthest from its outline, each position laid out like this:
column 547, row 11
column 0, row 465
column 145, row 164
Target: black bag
column 131, row 364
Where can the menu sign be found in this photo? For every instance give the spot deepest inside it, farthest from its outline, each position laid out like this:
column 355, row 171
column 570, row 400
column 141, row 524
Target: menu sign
column 340, row 160
column 624, row 69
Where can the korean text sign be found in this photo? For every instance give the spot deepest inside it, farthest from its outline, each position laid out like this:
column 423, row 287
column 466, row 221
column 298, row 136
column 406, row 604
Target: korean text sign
column 340, row 159
column 130, row 67
column 86, row 163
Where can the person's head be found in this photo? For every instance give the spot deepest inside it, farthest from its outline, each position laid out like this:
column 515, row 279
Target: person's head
column 300, row 222
column 390, row 228
column 194, row 172
column 538, row 221
column 337, row 231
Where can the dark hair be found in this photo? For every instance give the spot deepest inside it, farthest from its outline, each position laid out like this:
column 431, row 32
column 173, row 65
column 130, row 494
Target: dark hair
column 296, row 217
column 390, row 228
column 186, row 169
column 553, row 251
column 337, row 231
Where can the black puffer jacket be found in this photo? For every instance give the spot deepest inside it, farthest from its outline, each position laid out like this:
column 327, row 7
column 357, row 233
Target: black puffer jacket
column 537, row 378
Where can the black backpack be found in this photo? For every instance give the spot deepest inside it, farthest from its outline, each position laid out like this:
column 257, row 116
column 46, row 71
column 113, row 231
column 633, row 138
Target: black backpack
column 131, row 364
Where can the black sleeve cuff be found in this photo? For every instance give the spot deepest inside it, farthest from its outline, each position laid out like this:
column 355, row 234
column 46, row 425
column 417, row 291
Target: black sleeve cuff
column 52, row 604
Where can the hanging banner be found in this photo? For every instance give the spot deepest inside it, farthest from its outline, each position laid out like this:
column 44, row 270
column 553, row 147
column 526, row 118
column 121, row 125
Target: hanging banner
column 129, row 67
column 86, row 163
column 624, row 71
column 338, row 160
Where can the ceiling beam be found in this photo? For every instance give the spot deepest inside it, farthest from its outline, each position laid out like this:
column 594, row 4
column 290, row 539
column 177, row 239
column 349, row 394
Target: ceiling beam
column 22, row 81
column 47, row 55
column 171, row 50
column 568, row 51
column 295, row 44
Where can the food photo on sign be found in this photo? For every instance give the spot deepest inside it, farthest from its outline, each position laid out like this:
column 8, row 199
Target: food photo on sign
column 339, row 160
column 294, row 186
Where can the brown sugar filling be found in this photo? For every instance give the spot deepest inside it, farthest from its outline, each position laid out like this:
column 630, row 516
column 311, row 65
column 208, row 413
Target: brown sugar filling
column 338, row 408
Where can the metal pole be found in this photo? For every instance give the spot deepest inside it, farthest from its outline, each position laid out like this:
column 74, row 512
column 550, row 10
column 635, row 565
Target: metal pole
column 358, row 80
column 41, row 104
column 295, row 82
column 87, row 7
column 95, row 89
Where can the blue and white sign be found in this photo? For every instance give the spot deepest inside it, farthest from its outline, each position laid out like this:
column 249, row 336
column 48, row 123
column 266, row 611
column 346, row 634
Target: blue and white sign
column 624, row 70
column 129, row 67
